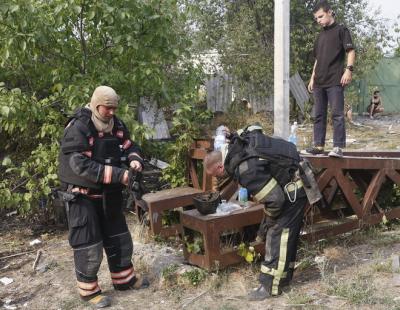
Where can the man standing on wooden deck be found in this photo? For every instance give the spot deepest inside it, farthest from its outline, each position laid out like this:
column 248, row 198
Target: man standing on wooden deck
column 268, row 168
column 329, row 78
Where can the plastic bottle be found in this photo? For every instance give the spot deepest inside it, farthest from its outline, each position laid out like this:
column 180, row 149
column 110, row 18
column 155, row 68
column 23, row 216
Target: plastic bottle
column 243, row 196
column 220, row 138
column 293, row 133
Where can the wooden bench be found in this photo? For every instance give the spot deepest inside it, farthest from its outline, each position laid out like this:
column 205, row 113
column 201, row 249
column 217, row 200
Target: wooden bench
column 212, row 229
column 181, row 197
column 165, row 200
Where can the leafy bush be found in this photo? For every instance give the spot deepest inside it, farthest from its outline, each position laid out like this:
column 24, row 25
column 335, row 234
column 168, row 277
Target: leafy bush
column 30, row 171
column 187, row 123
column 195, row 276
column 54, row 54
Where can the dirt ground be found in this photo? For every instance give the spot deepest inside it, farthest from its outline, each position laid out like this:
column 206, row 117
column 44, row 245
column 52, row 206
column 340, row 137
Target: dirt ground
column 352, row 271
column 380, row 133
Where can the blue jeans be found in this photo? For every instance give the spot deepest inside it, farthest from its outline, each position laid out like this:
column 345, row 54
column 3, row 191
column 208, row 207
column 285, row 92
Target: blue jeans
column 335, row 97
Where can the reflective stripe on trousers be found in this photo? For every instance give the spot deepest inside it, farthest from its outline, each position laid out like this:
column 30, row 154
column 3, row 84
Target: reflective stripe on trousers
column 278, row 273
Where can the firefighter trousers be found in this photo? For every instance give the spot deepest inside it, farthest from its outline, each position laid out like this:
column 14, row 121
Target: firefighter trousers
column 281, row 246
column 94, row 224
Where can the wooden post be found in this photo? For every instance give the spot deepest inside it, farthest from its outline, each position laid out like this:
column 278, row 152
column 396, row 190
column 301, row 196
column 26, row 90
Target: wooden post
column 281, row 68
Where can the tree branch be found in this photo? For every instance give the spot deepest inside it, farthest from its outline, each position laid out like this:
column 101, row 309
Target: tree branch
column 82, row 39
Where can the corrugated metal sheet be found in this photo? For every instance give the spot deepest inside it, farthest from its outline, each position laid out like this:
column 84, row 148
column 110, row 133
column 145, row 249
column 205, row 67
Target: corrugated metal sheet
column 258, row 102
column 222, row 89
column 152, row 116
column 219, row 92
column 299, row 90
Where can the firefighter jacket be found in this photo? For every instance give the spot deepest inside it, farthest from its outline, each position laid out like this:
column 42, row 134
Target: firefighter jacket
column 93, row 159
column 264, row 165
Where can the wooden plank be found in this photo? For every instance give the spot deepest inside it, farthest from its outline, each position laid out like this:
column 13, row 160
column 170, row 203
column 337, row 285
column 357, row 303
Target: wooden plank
column 314, row 233
column 197, row 153
column 193, row 174
column 348, row 162
column 331, row 191
column 373, row 190
column 393, row 175
column 202, row 144
column 325, row 178
column 228, row 191
column 207, row 181
column 347, row 188
column 164, row 196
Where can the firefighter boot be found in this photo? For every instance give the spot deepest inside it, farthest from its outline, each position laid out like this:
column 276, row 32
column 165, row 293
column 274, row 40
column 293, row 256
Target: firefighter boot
column 258, row 294
column 99, row 301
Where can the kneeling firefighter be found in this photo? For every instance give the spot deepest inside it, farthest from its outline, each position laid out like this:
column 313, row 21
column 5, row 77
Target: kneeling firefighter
column 94, row 146
column 269, row 168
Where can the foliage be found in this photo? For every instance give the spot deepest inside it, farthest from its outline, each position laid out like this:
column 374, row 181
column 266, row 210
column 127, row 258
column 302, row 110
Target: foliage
column 169, row 272
column 195, row 276
column 170, row 217
column 248, row 253
column 31, row 171
column 54, row 53
column 242, row 32
column 187, row 123
column 130, row 45
column 194, row 242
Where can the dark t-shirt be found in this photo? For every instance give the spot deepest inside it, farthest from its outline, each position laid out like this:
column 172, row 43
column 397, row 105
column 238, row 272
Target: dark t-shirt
column 329, row 50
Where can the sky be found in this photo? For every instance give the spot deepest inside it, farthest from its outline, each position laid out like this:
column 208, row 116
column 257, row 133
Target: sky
column 389, row 8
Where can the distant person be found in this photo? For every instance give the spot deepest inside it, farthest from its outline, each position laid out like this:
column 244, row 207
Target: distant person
column 376, row 105
column 348, row 112
column 246, row 105
column 329, row 78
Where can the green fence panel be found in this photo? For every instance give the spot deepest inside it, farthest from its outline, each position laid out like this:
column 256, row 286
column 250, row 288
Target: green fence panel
column 385, row 77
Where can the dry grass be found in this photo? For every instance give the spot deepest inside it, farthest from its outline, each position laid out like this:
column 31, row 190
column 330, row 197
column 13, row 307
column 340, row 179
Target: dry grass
column 358, row 289
column 140, row 231
column 384, row 266
column 335, row 253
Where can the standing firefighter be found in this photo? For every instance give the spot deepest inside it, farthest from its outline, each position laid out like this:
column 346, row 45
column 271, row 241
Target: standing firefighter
column 268, row 168
column 94, row 146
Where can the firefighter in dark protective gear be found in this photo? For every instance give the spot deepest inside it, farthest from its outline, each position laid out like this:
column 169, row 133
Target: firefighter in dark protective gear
column 269, row 168
column 94, row 146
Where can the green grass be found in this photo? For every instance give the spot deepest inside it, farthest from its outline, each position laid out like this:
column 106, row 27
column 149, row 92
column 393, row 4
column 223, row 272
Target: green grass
column 382, row 266
column 195, row 276
column 358, row 290
column 168, row 273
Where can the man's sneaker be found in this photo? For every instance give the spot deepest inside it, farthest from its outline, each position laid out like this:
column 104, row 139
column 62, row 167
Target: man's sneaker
column 314, row 150
column 336, row 152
